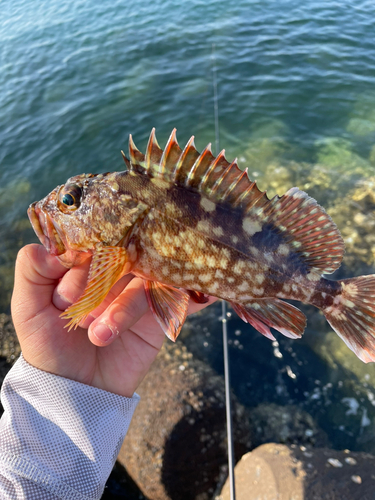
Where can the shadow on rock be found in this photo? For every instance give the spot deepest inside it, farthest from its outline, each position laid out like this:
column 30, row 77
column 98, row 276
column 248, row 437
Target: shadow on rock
column 176, row 444
column 284, row 472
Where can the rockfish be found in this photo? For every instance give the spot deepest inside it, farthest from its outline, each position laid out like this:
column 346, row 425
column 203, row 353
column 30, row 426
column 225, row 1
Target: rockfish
column 191, row 225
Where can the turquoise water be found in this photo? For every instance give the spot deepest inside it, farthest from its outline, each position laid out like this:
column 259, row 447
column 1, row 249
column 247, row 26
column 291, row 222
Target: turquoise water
column 296, row 89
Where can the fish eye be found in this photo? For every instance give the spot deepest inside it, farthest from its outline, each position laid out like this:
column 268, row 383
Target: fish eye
column 69, row 198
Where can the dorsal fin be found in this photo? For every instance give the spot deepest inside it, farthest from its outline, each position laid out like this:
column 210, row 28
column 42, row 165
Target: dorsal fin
column 171, row 154
column 137, row 159
column 216, row 178
column 127, row 162
column 153, row 154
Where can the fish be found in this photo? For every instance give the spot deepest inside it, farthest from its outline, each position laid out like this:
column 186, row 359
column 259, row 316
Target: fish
column 193, row 225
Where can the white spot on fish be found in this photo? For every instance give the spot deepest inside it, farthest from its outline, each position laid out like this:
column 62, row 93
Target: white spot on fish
column 238, row 267
column 251, row 226
column 313, row 276
column 219, row 274
column 203, row 225
column 213, row 287
column 218, row 231
column 259, row 278
column 160, row 183
column 283, row 249
column 205, row 277
column 244, row 287
column 211, row 261
column 207, row 205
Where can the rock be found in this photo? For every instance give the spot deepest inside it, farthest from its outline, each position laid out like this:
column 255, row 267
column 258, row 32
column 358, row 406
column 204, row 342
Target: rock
column 276, row 471
column 284, row 424
column 10, row 348
column 354, row 216
column 176, row 446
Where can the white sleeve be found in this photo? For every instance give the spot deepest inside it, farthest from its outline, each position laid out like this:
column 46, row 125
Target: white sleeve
column 59, row 439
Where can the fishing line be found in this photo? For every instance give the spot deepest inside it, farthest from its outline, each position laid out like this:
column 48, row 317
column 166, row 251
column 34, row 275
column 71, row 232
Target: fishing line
column 228, row 404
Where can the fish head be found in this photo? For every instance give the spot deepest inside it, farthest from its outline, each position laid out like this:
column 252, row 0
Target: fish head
column 87, row 212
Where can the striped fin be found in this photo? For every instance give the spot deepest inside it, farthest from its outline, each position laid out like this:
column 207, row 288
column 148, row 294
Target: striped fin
column 218, row 179
column 199, row 168
column 352, row 315
column 185, row 162
column 264, row 314
column 107, row 266
column 153, row 154
column 127, row 162
column 307, row 228
column 170, row 156
column 169, row 306
column 137, row 159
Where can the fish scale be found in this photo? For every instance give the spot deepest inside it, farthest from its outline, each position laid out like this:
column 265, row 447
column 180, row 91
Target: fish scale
column 191, row 225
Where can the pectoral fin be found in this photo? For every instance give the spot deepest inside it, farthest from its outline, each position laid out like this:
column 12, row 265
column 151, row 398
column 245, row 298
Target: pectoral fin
column 198, row 297
column 169, row 306
column 107, row 266
column 264, row 314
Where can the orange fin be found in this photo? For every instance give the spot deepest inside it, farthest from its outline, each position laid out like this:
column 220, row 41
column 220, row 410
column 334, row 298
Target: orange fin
column 307, row 228
column 352, row 315
column 137, row 159
column 153, row 153
column 264, row 314
column 107, row 266
column 169, row 306
column 171, row 154
column 198, row 297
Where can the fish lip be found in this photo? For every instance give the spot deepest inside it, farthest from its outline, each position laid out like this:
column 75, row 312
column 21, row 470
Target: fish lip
column 45, row 230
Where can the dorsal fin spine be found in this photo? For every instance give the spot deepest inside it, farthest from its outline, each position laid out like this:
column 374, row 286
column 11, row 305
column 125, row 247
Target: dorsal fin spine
column 212, row 167
column 234, row 184
column 198, row 162
column 189, row 145
column 215, row 187
column 136, row 157
column 127, row 162
column 153, row 154
column 168, row 147
column 244, row 194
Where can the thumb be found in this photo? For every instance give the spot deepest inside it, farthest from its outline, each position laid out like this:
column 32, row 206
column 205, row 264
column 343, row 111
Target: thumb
column 36, row 276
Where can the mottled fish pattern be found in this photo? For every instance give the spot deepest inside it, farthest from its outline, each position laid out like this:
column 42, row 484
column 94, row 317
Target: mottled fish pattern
column 191, row 225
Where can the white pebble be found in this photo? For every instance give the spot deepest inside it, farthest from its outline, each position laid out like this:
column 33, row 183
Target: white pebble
column 334, row 462
column 356, row 479
column 350, row 461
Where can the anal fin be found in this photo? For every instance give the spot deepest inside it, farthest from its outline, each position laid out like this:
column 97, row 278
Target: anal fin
column 264, row 314
column 169, row 306
column 107, row 266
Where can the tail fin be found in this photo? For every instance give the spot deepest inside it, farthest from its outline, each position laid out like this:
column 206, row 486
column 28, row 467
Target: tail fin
column 352, row 315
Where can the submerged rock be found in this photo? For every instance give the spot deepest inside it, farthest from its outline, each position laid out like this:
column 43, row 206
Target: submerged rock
column 176, row 445
column 279, row 471
column 284, row 424
column 355, row 217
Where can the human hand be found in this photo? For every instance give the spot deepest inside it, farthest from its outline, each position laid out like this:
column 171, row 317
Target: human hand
column 114, row 359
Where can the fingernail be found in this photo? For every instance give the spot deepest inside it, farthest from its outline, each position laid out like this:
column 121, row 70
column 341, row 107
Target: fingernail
column 60, row 301
column 103, row 332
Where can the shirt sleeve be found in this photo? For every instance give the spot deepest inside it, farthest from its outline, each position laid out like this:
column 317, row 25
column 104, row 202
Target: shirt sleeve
column 59, row 438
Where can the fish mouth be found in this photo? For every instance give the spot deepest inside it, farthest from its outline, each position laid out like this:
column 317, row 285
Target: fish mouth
column 45, row 230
